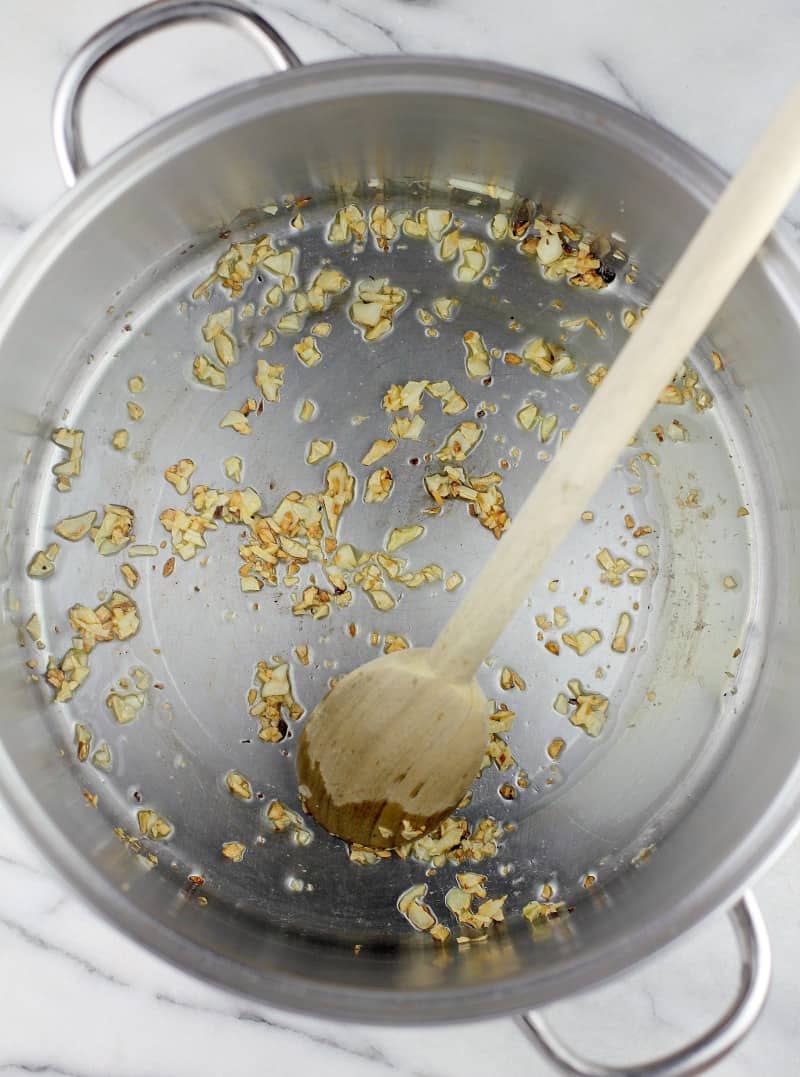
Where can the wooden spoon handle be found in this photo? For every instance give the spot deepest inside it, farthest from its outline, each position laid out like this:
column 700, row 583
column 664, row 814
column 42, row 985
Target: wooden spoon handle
column 717, row 256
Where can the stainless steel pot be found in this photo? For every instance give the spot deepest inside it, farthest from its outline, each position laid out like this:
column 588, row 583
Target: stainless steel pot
column 704, row 773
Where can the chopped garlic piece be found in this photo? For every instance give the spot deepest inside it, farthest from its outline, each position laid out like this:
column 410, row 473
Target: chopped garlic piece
column 66, row 470
column 407, row 428
column 318, row 450
column 271, row 700
column 528, row 416
column 377, row 304
column 178, row 475
column 509, row 679
column 379, row 486
column 217, row 323
column 591, row 709
column 233, row 467
column 477, row 359
column 102, row 757
column 142, row 551
column 460, row 442
column 380, row 448
column 454, row 580
column 307, row 352
column 237, row 421
column 67, row 675
column 613, row 567
column 135, row 411
column 474, row 259
column 269, row 379
column 207, row 373
column 414, row 909
column 404, row 396
column 117, row 618
column 307, row 410
column 130, row 574
column 547, row 426
column 438, row 221
column 125, row 707
column 290, row 323
column 283, row 819
column 339, row 492
column 482, row 491
column 115, row 530
column 540, row 912
column 152, row 825
column 452, row 401
column 499, row 226
column 74, row 528
column 349, row 223
column 582, row 641
column 620, row 640
column 119, row 439
column 561, row 704
column 401, row 536
column 238, row 785
column 394, row 643
column 280, row 263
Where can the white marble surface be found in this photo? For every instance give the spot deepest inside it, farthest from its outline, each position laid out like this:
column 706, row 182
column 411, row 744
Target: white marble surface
column 76, row 997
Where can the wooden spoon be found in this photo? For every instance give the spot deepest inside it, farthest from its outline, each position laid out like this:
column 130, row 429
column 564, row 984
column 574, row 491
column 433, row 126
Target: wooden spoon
column 393, row 748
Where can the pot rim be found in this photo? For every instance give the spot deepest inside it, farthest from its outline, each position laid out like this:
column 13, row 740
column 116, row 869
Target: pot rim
column 200, row 122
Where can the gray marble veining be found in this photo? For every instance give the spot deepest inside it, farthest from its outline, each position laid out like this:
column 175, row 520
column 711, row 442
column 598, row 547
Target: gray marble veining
column 78, row 999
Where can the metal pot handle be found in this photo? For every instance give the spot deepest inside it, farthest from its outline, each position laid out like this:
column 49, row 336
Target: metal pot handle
column 121, row 32
column 711, row 1046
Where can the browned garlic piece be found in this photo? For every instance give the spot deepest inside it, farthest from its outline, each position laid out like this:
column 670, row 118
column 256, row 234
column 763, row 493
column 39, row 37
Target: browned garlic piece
column 377, row 304
column 460, row 442
column 318, row 450
column 349, row 223
column 152, row 825
column 408, row 428
column 307, row 351
column 238, row 785
column 583, row 640
column 620, row 640
column 125, row 707
column 414, row 909
column 591, row 708
column 269, row 379
column 404, row 396
column 115, row 530
column 452, row 401
column 401, row 536
column 207, row 373
column 481, row 492
column 477, row 359
column 378, row 486
column 69, row 469
column 117, row 618
column 271, row 700
column 178, row 475
column 380, row 448
column 283, row 820
column 43, row 562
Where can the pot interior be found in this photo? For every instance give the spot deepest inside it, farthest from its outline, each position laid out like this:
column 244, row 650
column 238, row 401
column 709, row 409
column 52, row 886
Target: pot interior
column 621, row 836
